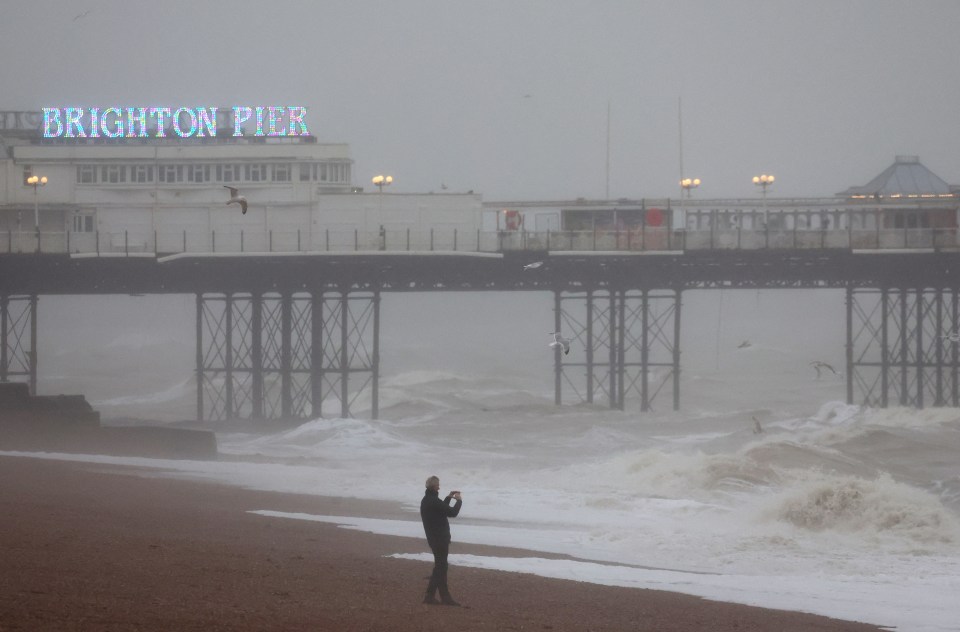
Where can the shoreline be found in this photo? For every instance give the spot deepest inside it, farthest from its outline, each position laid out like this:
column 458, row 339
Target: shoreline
column 105, row 547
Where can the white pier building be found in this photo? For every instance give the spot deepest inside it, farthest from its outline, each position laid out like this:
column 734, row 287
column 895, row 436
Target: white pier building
column 151, row 194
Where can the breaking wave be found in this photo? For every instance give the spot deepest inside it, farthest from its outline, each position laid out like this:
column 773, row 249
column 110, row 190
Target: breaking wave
column 880, row 506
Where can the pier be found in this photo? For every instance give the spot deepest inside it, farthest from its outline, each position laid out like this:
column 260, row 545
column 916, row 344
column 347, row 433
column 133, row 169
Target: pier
column 286, row 335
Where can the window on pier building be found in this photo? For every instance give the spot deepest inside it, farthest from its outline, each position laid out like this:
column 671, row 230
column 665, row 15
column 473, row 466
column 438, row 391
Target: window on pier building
column 141, row 173
column 333, row 172
column 82, row 223
column 170, row 173
column 911, row 219
column 86, row 174
column 113, row 174
column 228, row 173
column 198, row 173
column 281, row 173
column 255, row 173
column 27, row 172
column 864, row 220
column 324, row 172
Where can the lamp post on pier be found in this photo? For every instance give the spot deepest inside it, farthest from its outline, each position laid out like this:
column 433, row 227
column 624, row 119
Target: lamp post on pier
column 689, row 183
column 763, row 181
column 36, row 182
column 380, row 182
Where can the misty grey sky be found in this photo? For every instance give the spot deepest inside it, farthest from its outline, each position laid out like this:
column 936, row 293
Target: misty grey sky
column 509, row 98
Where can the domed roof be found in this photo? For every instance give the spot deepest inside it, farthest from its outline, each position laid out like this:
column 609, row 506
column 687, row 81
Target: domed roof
column 906, row 177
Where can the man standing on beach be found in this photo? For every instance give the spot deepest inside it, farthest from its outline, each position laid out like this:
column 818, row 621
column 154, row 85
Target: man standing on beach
column 435, row 513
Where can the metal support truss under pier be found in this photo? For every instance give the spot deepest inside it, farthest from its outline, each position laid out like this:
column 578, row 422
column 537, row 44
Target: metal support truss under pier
column 622, row 342
column 18, row 339
column 283, row 355
column 296, row 335
column 903, row 347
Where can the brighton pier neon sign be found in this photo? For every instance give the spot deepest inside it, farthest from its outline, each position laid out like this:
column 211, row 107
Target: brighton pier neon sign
column 183, row 122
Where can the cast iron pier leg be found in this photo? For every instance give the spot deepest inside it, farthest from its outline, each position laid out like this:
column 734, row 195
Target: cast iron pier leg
column 612, row 315
column 256, row 356
column 199, row 357
column 644, row 353
column 884, row 348
column 955, row 353
column 676, row 352
column 344, row 355
column 33, row 337
column 228, row 351
column 557, row 358
column 4, row 362
column 317, row 340
column 849, row 349
column 18, row 356
column 621, row 348
column 375, row 395
column 286, row 356
column 589, row 346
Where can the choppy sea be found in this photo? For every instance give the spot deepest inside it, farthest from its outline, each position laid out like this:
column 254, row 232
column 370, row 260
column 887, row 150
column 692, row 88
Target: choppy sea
column 831, row 508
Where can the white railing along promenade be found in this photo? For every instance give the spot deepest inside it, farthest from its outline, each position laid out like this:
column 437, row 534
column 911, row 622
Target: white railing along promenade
column 640, row 240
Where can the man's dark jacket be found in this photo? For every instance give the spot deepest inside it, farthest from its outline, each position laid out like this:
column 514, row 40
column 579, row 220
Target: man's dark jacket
column 434, row 513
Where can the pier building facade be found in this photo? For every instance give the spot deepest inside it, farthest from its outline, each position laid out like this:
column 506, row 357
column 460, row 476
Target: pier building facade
column 166, row 194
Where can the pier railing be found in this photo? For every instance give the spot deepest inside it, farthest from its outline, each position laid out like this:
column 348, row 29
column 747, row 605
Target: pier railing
column 649, row 239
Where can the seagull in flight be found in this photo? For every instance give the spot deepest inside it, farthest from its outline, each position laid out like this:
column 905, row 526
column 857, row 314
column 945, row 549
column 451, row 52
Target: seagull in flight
column 560, row 341
column 532, row 266
column 818, row 366
column 744, row 344
column 236, row 198
column 953, row 336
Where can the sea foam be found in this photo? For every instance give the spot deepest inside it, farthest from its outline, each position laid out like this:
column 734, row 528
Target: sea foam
column 879, row 507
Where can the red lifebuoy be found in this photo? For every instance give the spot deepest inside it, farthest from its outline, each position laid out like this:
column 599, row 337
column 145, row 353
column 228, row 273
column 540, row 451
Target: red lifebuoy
column 512, row 220
column 654, row 217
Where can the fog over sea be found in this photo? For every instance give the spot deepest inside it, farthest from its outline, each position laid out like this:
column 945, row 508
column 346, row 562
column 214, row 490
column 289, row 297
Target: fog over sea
column 832, row 509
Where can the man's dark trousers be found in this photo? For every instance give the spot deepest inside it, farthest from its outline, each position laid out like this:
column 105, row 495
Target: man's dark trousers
column 438, row 579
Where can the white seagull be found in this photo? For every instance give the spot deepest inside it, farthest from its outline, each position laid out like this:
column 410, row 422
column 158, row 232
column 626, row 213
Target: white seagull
column 560, row 341
column 236, row 198
column 817, row 365
column 532, row 266
column 953, row 336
